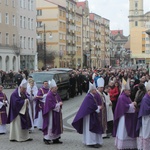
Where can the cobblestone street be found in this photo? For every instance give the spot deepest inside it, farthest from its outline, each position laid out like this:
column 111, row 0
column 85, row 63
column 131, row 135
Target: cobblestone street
column 71, row 139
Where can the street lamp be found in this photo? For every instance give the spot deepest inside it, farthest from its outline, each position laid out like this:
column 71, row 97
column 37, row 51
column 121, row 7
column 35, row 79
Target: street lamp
column 90, row 56
column 44, row 43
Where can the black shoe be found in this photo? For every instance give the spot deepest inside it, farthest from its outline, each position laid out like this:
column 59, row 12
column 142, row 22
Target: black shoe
column 2, row 133
column 57, row 141
column 106, row 137
column 30, row 139
column 95, row 146
column 47, row 141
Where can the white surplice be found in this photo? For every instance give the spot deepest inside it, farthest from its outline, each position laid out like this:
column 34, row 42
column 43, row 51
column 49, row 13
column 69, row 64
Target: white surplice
column 39, row 121
column 50, row 135
column 32, row 103
column 16, row 132
column 2, row 126
column 90, row 138
column 122, row 140
column 110, row 115
column 143, row 140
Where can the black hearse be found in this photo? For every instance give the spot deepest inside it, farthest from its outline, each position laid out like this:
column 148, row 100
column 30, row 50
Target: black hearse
column 61, row 79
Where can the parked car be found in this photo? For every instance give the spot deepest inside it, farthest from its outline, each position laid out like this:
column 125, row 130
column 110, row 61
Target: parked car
column 61, row 79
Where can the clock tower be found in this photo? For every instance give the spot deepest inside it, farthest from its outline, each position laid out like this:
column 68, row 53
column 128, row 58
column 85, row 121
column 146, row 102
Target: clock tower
column 136, row 15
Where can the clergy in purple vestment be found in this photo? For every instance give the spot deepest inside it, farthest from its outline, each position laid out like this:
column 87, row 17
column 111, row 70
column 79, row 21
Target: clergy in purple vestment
column 18, row 116
column 42, row 92
column 52, row 116
column 3, row 113
column 125, row 120
column 88, row 119
column 39, row 107
column 144, row 121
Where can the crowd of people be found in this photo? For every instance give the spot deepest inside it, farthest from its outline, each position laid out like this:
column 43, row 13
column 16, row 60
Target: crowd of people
column 116, row 104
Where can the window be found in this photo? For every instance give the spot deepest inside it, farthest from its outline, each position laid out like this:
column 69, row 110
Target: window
column 7, row 39
column 13, row 20
column 13, row 3
column 60, row 36
column 21, row 41
column 60, row 12
column 31, row 4
column 39, row 24
column 24, row 22
column 20, row 21
column 29, row 23
column 39, row 12
column 24, row 4
column 6, row 2
column 29, row 43
column 24, row 41
column 29, row 8
column 0, row 38
column 6, row 18
column 21, row 3
column 136, row 4
column 32, row 43
column 14, row 39
column 0, row 17
column 136, row 23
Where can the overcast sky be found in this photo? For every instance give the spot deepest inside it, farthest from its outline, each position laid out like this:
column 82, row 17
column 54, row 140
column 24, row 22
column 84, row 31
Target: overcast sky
column 116, row 11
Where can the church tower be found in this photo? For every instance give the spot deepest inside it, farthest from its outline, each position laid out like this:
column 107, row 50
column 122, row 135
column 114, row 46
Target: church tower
column 136, row 14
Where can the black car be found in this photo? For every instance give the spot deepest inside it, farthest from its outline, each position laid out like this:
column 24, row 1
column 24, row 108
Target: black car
column 61, row 79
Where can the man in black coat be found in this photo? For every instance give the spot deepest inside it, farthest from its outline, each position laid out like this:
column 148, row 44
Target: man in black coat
column 79, row 79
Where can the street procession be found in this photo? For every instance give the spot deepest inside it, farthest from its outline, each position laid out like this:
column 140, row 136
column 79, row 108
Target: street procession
column 74, row 74
column 115, row 105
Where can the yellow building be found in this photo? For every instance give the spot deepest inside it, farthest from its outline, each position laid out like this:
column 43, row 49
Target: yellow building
column 139, row 23
column 51, row 27
column 79, row 52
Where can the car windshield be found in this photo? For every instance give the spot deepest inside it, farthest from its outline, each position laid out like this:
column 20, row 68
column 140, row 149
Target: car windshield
column 40, row 77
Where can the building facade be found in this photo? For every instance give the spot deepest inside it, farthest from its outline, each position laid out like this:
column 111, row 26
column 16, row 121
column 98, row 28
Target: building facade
column 51, row 30
column 17, row 35
column 119, row 56
column 139, row 23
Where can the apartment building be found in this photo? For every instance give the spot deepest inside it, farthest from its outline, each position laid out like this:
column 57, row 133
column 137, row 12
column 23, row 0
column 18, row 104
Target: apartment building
column 8, row 31
column 71, row 48
column 93, row 52
column 79, row 52
column 17, row 35
column 139, row 23
column 97, row 38
column 26, row 37
column 51, row 28
column 105, row 43
column 86, row 43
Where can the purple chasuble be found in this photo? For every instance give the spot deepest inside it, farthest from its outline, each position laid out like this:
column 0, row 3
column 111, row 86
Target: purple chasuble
column 88, row 107
column 40, row 105
column 122, row 108
column 16, row 104
column 51, row 100
column 3, row 113
column 144, row 110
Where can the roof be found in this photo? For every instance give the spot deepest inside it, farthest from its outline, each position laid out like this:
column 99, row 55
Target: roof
column 82, row 4
column 61, row 3
column 115, row 32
